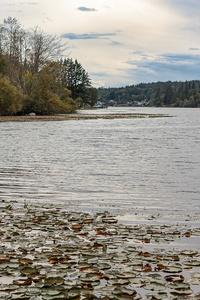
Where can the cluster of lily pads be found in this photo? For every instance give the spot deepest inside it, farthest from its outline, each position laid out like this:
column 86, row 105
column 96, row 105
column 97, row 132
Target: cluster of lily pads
column 48, row 252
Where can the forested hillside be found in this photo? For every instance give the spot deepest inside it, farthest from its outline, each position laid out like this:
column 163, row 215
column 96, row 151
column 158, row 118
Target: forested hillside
column 174, row 94
column 34, row 76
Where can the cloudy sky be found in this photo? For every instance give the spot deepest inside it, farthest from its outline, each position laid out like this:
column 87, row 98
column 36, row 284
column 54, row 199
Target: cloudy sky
column 120, row 42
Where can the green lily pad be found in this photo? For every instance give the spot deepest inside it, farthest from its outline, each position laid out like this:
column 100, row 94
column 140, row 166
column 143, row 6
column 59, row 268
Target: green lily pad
column 155, row 286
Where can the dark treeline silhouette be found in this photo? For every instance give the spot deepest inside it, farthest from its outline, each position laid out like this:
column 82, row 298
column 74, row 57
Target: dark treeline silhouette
column 173, row 94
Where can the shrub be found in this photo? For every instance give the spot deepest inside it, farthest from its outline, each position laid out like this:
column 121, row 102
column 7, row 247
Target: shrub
column 11, row 98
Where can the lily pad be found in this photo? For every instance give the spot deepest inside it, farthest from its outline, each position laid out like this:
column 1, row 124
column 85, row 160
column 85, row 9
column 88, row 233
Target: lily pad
column 22, row 281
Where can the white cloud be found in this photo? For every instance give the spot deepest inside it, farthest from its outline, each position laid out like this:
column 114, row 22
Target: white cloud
column 108, row 33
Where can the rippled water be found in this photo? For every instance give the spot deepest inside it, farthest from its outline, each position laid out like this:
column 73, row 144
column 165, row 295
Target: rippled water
column 124, row 164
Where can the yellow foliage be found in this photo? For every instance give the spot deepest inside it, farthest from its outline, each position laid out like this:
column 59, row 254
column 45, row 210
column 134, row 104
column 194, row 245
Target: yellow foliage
column 11, row 98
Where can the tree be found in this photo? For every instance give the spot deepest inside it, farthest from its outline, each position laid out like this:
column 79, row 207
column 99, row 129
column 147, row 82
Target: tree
column 43, row 48
column 3, row 65
column 27, row 60
column 75, row 78
column 158, row 99
column 181, row 92
column 45, row 93
column 169, row 95
column 186, row 89
column 193, row 85
column 10, row 44
column 189, row 102
column 92, row 96
column 11, row 98
column 27, row 50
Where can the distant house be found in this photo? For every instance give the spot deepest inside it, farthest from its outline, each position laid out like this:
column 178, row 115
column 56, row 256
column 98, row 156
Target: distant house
column 143, row 102
column 99, row 104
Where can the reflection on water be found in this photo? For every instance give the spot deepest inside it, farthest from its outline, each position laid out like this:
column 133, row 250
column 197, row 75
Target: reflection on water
column 124, row 164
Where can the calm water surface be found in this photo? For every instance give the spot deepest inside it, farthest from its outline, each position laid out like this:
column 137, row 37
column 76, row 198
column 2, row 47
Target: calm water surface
column 130, row 165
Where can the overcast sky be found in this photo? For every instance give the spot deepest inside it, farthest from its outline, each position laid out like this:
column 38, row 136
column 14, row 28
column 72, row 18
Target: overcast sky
column 120, row 42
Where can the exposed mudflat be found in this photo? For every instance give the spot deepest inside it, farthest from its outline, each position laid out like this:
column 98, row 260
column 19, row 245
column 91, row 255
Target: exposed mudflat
column 77, row 116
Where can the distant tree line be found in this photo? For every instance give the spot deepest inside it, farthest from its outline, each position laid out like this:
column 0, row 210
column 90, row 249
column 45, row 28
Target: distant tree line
column 172, row 94
column 35, row 78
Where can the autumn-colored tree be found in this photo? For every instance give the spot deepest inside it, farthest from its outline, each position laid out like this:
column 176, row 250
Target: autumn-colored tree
column 28, row 61
column 45, row 93
column 11, row 98
column 3, row 65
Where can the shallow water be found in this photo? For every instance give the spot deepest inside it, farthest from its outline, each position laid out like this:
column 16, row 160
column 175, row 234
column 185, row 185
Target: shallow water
column 149, row 165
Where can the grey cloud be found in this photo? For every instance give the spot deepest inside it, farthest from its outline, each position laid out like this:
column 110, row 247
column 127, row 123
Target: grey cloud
column 114, row 43
column 86, row 36
column 100, row 74
column 142, row 54
column 137, row 52
column 87, row 9
column 168, row 58
column 194, row 49
column 166, row 67
column 188, row 7
column 186, row 58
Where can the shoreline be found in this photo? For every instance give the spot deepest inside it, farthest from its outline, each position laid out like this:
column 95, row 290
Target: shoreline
column 78, row 117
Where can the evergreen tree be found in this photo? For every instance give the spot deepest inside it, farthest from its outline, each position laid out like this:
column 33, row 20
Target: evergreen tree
column 193, row 85
column 186, row 89
column 154, row 92
column 75, row 78
column 92, row 96
column 182, row 92
column 158, row 99
column 169, row 95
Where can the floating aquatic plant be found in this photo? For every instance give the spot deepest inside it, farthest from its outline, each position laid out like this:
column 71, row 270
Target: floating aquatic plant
column 47, row 252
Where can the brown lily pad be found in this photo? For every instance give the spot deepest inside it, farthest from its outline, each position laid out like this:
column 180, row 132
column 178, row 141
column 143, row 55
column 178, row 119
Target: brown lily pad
column 4, row 258
column 22, row 281
column 86, row 286
column 77, row 227
column 173, row 278
column 109, row 221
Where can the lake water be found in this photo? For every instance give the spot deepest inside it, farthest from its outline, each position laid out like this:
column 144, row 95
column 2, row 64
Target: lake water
column 125, row 165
